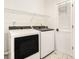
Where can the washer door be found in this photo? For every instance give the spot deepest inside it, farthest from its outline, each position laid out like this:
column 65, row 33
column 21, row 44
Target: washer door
column 26, row 46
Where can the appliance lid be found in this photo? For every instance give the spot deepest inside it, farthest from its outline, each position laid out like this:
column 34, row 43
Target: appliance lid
column 19, row 27
column 42, row 28
column 39, row 27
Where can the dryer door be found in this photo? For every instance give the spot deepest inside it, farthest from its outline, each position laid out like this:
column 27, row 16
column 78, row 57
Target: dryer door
column 26, row 46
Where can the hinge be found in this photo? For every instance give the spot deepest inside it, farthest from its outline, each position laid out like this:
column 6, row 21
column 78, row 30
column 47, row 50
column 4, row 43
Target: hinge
column 72, row 26
column 72, row 5
column 72, row 47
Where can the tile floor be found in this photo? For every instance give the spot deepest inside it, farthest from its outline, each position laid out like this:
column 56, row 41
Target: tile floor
column 57, row 55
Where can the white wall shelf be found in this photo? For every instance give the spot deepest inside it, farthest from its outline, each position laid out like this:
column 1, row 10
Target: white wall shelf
column 23, row 12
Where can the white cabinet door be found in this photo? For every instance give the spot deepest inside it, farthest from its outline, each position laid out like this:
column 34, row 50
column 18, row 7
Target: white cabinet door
column 64, row 35
column 64, row 42
column 47, row 43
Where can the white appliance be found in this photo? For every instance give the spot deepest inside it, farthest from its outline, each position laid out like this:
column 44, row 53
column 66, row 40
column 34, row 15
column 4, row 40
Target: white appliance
column 24, row 44
column 47, row 43
column 47, row 40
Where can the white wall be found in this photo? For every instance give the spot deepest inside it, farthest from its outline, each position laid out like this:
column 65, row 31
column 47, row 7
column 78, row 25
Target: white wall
column 33, row 6
column 51, row 10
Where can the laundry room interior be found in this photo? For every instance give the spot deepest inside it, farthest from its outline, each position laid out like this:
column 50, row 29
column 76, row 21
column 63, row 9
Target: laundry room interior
column 45, row 29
